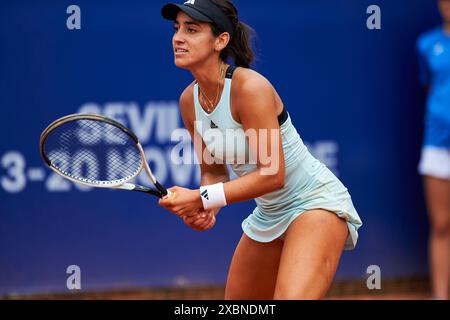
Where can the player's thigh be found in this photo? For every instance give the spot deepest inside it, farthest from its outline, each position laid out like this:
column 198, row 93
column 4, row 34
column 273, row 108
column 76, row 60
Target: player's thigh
column 253, row 269
column 313, row 246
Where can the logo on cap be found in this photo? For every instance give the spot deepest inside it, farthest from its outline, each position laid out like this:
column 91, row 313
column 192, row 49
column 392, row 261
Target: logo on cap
column 190, row 2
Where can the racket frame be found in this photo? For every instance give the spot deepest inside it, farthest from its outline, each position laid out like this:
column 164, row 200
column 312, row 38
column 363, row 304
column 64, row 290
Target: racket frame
column 117, row 184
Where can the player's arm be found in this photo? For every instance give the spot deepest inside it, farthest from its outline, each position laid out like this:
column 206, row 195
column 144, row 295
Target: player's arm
column 210, row 173
column 256, row 105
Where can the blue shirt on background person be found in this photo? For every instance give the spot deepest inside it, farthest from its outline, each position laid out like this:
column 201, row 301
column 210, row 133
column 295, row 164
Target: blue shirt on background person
column 434, row 56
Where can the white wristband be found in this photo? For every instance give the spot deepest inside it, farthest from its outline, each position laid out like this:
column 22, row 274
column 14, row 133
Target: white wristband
column 213, row 196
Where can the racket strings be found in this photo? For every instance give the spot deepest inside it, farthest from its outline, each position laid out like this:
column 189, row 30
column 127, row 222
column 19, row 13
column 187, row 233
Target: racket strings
column 114, row 159
column 93, row 151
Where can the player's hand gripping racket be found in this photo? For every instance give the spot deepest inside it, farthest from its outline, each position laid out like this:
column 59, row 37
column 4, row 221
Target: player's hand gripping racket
column 96, row 151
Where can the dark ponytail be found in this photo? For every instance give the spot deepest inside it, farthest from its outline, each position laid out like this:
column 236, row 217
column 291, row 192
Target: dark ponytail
column 239, row 48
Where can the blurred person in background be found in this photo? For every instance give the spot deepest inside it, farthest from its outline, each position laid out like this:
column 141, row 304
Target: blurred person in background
column 434, row 54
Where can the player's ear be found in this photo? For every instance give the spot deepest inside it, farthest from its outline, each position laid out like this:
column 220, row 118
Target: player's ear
column 222, row 41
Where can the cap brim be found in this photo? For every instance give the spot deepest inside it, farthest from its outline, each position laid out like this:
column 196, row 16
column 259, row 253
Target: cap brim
column 170, row 12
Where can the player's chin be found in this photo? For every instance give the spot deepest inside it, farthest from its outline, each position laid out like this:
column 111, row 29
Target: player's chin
column 182, row 62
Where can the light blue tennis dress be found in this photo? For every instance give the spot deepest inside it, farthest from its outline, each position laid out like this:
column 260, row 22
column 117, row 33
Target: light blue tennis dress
column 309, row 184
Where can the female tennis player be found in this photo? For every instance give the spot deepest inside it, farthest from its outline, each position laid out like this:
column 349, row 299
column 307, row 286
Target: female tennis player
column 304, row 218
column 434, row 52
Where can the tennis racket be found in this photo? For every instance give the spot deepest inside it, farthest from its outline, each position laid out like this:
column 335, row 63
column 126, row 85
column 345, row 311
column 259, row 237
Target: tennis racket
column 96, row 151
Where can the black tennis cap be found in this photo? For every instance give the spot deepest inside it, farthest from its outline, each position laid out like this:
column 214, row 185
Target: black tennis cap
column 201, row 10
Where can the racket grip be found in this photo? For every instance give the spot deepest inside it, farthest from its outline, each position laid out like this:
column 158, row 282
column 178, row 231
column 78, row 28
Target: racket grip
column 164, row 191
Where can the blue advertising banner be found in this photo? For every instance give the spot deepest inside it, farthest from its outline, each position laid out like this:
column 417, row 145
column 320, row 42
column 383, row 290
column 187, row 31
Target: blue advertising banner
column 352, row 93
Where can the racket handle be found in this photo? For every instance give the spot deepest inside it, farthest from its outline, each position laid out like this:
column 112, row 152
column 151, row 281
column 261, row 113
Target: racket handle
column 147, row 190
column 164, row 191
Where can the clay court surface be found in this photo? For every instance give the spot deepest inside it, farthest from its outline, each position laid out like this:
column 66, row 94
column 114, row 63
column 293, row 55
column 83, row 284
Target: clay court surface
column 394, row 289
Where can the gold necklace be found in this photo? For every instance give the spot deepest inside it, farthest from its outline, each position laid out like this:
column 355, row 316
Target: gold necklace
column 211, row 106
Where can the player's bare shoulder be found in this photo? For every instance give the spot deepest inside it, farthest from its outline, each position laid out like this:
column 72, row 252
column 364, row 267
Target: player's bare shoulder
column 187, row 96
column 187, row 104
column 252, row 93
column 246, row 80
